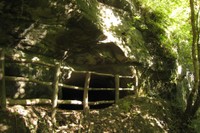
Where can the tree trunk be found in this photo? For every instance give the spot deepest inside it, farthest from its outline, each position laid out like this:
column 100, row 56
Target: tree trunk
column 2, row 81
column 192, row 108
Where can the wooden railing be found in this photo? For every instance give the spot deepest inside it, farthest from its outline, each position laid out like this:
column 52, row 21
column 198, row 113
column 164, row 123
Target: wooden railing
column 54, row 101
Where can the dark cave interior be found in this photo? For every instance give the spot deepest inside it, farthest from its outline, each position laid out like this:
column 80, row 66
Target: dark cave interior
column 96, row 81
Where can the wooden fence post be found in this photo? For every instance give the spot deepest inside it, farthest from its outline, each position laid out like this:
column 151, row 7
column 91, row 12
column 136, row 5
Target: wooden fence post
column 2, row 80
column 85, row 93
column 116, row 88
column 55, row 90
column 137, row 83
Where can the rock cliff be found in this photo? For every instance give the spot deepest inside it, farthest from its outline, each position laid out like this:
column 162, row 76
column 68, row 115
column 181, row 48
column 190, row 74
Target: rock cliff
column 112, row 37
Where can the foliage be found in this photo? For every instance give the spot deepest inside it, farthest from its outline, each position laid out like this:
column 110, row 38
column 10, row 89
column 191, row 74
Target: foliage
column 196, row 123
column 179, row 40
column 152, row 21
column 193, row 101
column 89, row 9
column 176, row 26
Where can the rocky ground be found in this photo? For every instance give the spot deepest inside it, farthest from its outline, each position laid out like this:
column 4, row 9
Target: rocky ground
column 131, row 114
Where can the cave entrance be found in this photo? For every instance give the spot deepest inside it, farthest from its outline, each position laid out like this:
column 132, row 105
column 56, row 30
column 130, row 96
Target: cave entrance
column 97, row 82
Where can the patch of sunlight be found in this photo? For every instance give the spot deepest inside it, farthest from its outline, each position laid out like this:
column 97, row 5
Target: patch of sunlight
column 77, row 102
column 137, row 110
column 95, row 112
column 110, row 37
column 68, row 9
column 53, row 3
column 27, row 114
column 125, row 49
column 30, row 40
column 20, row 110
column 30, row 102
column 69, row 75
column 18, row 55
column 112, row 121
column 150, row 61
column 33, row 37
column 65, row 55
column 178, row 11
column 143, row 26
column 171, row 29
column 20, row 91
column 132, row 57
column 35, row 59
column 3, row 128
column 109, row 21
column 154, row 120
column 174, row 49
column 109, row 18
column 179, row 69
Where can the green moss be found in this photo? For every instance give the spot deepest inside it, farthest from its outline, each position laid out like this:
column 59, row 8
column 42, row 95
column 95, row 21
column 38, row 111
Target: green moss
column 89, row 9
column 125, row 105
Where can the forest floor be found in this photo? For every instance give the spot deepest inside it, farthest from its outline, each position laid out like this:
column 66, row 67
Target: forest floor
column 130, row 115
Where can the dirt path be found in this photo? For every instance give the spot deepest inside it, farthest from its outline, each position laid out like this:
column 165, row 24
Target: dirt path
column 144, row 114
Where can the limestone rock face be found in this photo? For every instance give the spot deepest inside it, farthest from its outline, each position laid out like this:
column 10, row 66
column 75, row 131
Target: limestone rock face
column 83, row 34
column 115, row 36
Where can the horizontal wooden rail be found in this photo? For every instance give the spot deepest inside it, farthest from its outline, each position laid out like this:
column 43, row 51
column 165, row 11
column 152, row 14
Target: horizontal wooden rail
column 102, row 74
column 101, row 89
column 70, row 86
column 126, row 89
column 13, row 78
column 128, row 77
column 96, row 73
column 101, row 102
column 63, row 67
column 66, row 68
column 25, row 79
column 110, row 89
column 38, row 101
column 55, row 85
column 75, row 102
column 28, row 101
